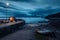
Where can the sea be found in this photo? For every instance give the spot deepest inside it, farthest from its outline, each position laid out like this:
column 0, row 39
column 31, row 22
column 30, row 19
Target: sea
column 33, row 19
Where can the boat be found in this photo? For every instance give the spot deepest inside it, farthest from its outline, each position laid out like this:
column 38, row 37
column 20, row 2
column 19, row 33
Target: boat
column 11, row 25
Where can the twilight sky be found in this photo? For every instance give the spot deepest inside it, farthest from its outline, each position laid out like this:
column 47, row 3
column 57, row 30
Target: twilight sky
column 29, row 8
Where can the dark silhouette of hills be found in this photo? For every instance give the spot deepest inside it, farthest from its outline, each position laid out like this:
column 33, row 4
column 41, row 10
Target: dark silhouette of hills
column 56, row 15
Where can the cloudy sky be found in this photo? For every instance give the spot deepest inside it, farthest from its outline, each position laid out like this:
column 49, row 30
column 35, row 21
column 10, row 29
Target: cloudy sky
column 29, row 8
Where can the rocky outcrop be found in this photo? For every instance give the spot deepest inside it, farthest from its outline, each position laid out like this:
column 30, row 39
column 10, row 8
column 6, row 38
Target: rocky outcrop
column 54, row 20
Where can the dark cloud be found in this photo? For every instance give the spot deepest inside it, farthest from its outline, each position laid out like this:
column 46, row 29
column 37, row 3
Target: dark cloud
column 36, row 8
column 12, row 13
column 2, row 4
column 44, row 12
column 52, row 2
column 22, row 0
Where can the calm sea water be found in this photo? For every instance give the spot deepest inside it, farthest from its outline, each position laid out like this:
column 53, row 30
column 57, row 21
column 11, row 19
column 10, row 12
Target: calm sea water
column 34, row 20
